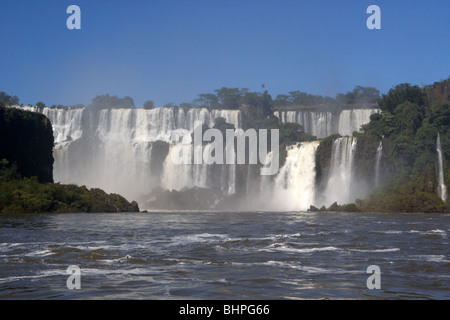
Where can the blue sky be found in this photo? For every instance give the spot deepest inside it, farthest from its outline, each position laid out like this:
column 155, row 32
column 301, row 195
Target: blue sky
column 171, row 51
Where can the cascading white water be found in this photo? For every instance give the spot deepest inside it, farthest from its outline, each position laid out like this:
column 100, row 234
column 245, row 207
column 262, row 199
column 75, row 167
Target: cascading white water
column 339, row 186
column 378, row 163
column 321, row 123
column 114, row 148
column 176, row 176
column 66, row 124
column 316, row 123
column 294, row 186
column 117, row 150
column 441, row 180
column 352, row 120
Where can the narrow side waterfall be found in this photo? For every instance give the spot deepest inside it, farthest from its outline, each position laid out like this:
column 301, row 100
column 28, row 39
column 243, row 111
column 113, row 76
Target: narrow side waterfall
column 378, row 163
column 442, row 186
column 339, row 186
column 294, row 186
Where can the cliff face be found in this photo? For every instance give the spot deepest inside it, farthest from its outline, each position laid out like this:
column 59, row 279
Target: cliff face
column 26, row 138
column 26, row 171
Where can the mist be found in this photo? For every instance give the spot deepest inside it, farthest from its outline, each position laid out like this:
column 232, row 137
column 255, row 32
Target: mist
column 130, row 151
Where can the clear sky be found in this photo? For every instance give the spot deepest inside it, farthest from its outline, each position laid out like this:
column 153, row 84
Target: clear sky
column 171, row 51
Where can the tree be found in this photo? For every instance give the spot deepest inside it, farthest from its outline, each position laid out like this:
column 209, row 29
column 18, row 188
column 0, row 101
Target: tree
column 359, row 95
column 281, row 100
column 8, row 100
column 409, row 118
column 206, row 100
column 40, row 105
column 149, row 104
column 402, row 93
column 111, row 102
column 229, row 98
column 185, row 105
column 128, row 101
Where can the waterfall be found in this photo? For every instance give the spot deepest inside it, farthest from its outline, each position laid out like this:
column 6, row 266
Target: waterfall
column 66, row 124
column 316, row 123
column 322, row 123
column 176, row 176
column 378, row 163
column 294, row 186
column 339, row 186
column 352, row 120
column 127, row 151
column 442, row 186
column 130, row 151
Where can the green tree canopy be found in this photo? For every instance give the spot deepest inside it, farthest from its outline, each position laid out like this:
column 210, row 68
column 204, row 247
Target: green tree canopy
column 149, row 104
column 8, row 100
column 111, row 102
column 40, row 104
column 402, row 93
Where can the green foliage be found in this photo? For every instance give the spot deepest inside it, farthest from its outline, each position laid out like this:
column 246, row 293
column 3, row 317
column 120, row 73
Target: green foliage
column 8, row 171
column 229, row 98
column 410, row 121
column 359, row 95
column 170, row 105
column 207, row 100
column 26, row 150
column 400, row 94
column 8, row 100
column 298, row 98
column 335, row 207
column 148, row 105
column 440, row 116
column 29, row 196
column 111, row 102
column 403, row 199
column 437, row 93
column 40, row 105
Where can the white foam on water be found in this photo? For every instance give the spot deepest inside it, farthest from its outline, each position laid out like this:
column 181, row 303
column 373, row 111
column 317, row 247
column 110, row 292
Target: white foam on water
column 431, row 258
column 197, row 238
column 440, row 232
column 285, row 248
column 376, row 250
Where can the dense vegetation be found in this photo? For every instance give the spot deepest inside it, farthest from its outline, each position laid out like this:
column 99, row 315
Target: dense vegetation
column 411, row 118
column 263, row 103
column 29, row 196
column 408, row 126
column 8, row 100
column 255, row 104
column 26, row 171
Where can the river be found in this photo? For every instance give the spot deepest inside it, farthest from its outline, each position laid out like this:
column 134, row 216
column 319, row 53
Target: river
column 225, row 255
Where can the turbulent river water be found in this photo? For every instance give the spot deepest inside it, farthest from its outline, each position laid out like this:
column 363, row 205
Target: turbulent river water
column 224, row 255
